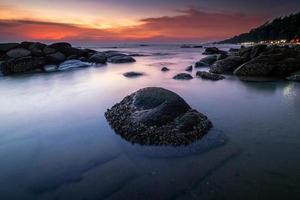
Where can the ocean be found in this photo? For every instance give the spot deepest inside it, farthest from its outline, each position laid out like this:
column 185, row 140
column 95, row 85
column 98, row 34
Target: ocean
column 55, row 142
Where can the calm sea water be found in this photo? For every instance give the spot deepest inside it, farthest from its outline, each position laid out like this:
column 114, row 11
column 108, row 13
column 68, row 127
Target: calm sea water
column 56, row 144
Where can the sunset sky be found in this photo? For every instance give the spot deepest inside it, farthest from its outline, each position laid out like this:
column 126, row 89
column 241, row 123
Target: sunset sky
column 135, row 20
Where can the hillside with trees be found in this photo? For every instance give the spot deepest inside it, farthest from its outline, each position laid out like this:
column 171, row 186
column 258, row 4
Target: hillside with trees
column 282, row 28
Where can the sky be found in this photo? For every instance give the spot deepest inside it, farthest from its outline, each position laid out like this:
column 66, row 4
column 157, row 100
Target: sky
column 135, row 20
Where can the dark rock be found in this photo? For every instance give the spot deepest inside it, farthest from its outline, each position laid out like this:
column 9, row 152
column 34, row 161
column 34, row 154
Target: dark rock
column 227, row 65
column 221, row 56
column 185, row 46
column 210, row 76
column 21, row 65
column 209, row 60
column 72, row 57
column 74, row 51
column 156, row 116
column 189, row 69
column 200, row 64
column 56, row 58
column 269, row 65
column 83, row 59
column 165, row 69
column 198, row 46
column 133, row 74
column 213, row 50
column 18, row 53
column 121, row 59
column 98, row 58
column 257, row 50
column 183, row 76
column 60, row 46
column 48, row 50
column 4, row 47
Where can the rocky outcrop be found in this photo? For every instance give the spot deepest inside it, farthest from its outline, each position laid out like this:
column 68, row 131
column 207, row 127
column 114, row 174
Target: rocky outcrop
column 210, row 76
column 183, row 76
column 156, row 116
column 227, row 65
column 27, row 57
column 133, row 74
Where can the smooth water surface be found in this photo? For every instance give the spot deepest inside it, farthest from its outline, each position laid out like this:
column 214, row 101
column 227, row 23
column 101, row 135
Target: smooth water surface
column 56, row 144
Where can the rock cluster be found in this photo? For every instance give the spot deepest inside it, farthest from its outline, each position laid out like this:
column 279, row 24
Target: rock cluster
column 35, row 56
column 256, row 61
column 156, row 116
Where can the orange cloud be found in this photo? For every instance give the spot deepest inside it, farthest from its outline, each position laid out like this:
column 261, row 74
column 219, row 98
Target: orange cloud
column 190, row 24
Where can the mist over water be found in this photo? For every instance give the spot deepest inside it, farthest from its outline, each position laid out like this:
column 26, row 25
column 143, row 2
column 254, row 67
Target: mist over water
column 55, row 142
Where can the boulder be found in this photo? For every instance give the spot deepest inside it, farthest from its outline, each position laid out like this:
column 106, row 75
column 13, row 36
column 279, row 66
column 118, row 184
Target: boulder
column 189, row 69
column 213, row 50
column 21, row 65
column 198, row 46
column 59, row 46
column 121, row 59
column 269, row 65
column 4, row 47
column 56, row 58
column 18, row 53
column 200, row 64
column 209, row 60
column 227, row 65
column 210, row 76
column 156, row 116
column 165, row 69
column 183, row 76
column 133, row 74
column 48, row 50
column 98, row 58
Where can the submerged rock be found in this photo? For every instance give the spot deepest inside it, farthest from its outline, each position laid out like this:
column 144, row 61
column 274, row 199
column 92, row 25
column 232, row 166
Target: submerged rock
column 156, row 116
column 121, row 59
column 133, row 74
column 210, row 76
column 165, row 69
column 183, row 76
